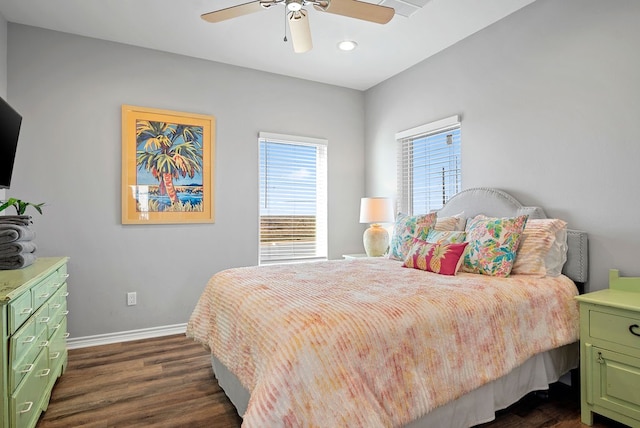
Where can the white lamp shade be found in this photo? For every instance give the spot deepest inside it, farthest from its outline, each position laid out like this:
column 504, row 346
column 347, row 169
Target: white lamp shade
column 376, row 210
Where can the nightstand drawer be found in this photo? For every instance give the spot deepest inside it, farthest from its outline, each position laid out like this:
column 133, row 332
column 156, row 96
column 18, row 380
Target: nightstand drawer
column 614, row 328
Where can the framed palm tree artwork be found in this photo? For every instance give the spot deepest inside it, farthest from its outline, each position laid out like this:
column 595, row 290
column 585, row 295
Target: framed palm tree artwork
column 167, row 162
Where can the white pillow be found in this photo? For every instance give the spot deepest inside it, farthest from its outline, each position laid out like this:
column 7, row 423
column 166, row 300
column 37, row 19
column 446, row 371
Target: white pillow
column 557, row 255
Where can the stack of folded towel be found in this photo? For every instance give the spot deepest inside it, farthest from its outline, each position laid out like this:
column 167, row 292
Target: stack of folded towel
column 17, row 249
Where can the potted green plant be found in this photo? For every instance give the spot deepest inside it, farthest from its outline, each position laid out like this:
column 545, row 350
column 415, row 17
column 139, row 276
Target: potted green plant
column 20, row 206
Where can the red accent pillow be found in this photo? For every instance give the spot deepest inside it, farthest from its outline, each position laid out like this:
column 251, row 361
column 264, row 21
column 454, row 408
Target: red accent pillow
column 443, row 258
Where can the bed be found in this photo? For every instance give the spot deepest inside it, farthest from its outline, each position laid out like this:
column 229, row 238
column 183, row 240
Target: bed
column 373, row 343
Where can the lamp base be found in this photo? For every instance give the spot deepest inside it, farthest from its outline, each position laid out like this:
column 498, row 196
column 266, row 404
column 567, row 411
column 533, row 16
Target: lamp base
column 375, row 240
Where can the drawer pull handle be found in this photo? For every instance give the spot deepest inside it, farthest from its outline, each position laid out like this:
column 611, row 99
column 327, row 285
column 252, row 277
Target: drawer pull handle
column 65, row 276
column 44, row 320
column 56, row 327
column 632, row 327
column 66, row 335
column 27, row 368
column 56, row 306
column 44, row 344
column 29, row 339
column 29, row 406
column 44, row 296
column 26, row 311
column 54, row 356
column 44, row 373
column 66, row 294
column 65, row 313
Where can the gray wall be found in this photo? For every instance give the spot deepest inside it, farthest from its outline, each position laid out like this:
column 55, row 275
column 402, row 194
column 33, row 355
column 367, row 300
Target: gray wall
column 70, row 90
column 550, row 101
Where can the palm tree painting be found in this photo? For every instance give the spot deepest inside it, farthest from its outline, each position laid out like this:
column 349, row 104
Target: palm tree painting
column 169, row 159
column 167, row 166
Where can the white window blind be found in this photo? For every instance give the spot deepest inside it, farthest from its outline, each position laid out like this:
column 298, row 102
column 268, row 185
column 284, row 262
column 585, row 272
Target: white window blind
column 293, row 198
column 428, row 166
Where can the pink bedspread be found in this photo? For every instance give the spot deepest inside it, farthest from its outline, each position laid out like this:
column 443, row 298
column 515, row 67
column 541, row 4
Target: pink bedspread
column 368, row 343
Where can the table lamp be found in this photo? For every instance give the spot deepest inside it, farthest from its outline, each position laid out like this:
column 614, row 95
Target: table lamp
column 376, row 211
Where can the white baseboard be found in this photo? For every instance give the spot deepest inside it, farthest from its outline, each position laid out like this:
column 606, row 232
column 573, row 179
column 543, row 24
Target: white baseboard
column 125, row 336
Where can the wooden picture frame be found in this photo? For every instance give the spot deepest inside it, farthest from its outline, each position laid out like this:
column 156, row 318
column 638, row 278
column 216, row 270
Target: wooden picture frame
column 167, row 166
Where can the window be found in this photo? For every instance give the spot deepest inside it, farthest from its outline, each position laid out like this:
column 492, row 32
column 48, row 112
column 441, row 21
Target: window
column 293, row 198
column 428, row 166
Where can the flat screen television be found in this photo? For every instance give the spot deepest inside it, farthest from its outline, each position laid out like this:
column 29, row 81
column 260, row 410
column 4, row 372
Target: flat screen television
column 10, row 121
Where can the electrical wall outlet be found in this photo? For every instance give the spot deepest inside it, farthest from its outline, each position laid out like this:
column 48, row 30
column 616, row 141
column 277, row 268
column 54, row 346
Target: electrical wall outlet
column 131, row 298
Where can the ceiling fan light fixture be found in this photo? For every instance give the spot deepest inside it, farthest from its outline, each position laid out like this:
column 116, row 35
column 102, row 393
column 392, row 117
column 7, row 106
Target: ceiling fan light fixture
column 300, row 31
column 347, row 45
column 294, row 5
column 298, row 20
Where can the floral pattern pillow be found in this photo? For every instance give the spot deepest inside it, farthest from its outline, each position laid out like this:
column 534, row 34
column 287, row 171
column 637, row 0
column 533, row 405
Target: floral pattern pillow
column 493, row 243
column 443, row 258
column 407, row 228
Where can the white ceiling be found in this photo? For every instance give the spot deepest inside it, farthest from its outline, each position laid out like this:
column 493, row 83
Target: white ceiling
column 256, row 40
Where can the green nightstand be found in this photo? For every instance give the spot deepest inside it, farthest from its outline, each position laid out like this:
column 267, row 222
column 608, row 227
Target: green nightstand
column 610, row 351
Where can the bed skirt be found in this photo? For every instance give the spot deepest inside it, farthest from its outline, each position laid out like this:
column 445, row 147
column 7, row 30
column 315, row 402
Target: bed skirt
column 476, row 407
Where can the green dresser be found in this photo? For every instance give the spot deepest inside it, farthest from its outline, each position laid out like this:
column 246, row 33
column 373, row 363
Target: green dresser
column 610, row 351
column 34, row 335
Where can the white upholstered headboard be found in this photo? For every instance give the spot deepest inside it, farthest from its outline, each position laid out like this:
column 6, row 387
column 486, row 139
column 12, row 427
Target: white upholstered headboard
column 497, row 203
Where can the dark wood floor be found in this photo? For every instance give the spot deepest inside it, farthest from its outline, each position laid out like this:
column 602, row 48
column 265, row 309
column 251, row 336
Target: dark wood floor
column 167, row 382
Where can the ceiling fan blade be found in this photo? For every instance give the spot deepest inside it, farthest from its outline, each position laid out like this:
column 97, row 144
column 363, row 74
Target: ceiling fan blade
column 360, row 10
column 300, row 31
column 232, row 12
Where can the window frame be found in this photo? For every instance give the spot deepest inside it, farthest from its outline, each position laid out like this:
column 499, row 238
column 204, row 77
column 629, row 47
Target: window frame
column 405, row 186
column 321, row 213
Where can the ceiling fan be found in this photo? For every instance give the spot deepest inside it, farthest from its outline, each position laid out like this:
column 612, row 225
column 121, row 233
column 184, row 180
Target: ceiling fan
column 298, row 19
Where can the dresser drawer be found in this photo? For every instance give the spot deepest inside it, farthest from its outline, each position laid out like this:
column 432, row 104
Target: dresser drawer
column 59, row 279
column 58, row 347
column 23, row 340
column 62, row 274
column 19, row 369
column 41, row 318
column 57, row 309
column 58, row 322
column 42, row 292
column 20, row 309
column 26, row 401
column 614, row 328
column 58, row 301
column 58, row 343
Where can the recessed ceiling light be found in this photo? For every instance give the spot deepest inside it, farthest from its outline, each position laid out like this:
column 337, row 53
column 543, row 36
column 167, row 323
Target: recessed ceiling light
column 347, row 45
